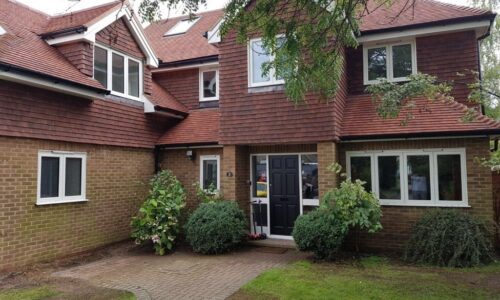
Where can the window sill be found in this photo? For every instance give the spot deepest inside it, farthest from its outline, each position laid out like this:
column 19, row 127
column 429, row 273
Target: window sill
column 310, row 202
column 266, row 88
column 397, row 80
column 209, row 104
column 461, row 205
column 51, row 202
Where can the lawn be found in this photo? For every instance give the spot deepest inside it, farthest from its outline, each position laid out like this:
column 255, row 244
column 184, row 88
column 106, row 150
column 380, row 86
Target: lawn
column 373, row 278
column 54, row 292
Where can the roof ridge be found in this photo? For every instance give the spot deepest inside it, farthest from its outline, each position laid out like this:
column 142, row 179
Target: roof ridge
column 112, row 3
column 460, row 7
column 184, row 16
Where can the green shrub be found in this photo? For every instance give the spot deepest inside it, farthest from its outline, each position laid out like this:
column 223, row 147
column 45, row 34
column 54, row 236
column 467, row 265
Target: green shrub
column 451, row 239
column 211, row 194
column 216, row 227
column 321, row 232
column 158, row 218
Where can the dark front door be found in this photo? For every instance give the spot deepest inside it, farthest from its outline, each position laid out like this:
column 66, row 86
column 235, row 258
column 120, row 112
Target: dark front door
column 284, row 193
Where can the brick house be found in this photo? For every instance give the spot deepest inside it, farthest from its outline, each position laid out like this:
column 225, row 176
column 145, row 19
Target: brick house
column 93, row 104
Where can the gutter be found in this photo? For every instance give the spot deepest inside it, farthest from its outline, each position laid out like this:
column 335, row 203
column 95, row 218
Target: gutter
column 62, row 32
column 188, row 62
column 457, row 134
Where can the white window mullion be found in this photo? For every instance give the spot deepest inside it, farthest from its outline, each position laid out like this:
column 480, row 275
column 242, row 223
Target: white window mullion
column 110, row 70
column 62, row 177
column 389, row 71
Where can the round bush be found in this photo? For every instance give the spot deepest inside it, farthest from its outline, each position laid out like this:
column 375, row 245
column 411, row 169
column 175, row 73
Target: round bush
column 449, row 239
column 216, row 227
column 321, row 232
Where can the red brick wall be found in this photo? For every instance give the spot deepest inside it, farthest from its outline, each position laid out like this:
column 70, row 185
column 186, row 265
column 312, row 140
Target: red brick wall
column 119, row 37
column 399, row 220
column 81, row 55
column 496, row 202
column 115, row 189
column 31, row 112
column 442, row 55
column 183, row 85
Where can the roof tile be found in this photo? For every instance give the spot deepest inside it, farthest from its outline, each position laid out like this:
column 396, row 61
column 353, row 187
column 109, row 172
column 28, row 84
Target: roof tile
column 200, row 127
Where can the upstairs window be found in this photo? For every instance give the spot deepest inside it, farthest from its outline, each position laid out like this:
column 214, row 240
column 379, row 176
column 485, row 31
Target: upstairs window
column 118, row 72
column 209, row 85
column 182, row 26
column 258, row 56
column 394, row 62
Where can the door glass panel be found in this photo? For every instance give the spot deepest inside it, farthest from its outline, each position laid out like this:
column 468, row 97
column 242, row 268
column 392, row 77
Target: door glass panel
column 449, row 177
column 260, row 176
column 377, row 63
column 209, row 84
column 361, row 169
column 419, row 177
column 210, row 174
column 259, row 58
column 401, row 60
column 388, row 178
column 118, row 73
column 309, row 176
column 73, row 185
column 101, row 66
column 49, row 186
column 133, row 78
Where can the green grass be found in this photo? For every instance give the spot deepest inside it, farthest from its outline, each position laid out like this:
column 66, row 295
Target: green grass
column 373, row 278
column 49, row 292
column 33, row 293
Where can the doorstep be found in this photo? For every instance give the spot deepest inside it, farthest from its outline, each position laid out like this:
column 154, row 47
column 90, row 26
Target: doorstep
column 275, row 243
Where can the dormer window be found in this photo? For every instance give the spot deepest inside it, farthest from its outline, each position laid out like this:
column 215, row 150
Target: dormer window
column 118, row 72
column 182, row 26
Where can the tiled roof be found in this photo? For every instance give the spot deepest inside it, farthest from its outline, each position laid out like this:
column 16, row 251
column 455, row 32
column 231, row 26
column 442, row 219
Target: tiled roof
column 360, row 120
column 80, row 18
column 23, row 48
column 191, row 44
column 200, row 127
column 380, row 17
column 164, row 99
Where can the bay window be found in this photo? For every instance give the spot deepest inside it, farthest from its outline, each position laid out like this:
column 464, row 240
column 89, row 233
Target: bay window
column 118, row 72
column 394, row 62
column 61, row 177
column 258, row 57
column 434, row 177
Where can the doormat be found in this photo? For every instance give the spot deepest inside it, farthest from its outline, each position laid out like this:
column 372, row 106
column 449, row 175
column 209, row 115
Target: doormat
column 273, row 250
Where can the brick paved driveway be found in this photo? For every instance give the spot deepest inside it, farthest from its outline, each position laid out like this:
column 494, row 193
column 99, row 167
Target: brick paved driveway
column 182, row 275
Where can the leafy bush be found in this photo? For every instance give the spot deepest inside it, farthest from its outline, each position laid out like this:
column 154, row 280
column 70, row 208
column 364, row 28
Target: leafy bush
column 216, row 227
column 451, row 239
column 321, row 232
column 211, row 194
column 354, row 206
column 158, row 218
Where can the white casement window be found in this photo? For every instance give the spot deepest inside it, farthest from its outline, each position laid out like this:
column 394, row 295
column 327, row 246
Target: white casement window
column 121, row 74
column 394, row 62
column 433, row 177
column 258, row 56
column 209, row 84
column 61, row 177
column 210, row 171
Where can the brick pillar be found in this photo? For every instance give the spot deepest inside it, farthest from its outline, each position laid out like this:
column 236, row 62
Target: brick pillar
column 235, row 175
column 327, row 154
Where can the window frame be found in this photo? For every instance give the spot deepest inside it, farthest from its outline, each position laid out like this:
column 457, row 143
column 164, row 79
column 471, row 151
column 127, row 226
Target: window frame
column 389, row 60
column 201, row 89
column 62, row 198
column 272, row 71
column 403, row 155
column 109, row 73
column 210, row 157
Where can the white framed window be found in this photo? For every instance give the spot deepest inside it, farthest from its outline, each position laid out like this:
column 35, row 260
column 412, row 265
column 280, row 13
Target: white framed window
column 210, row 171
column 119, row 73
column 61, row 177
column 429, row 177
column 258, row 56
column 394, row 62
column 209, row 84
column 182, row 26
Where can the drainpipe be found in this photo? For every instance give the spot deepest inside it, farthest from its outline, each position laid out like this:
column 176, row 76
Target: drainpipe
column 495, row 145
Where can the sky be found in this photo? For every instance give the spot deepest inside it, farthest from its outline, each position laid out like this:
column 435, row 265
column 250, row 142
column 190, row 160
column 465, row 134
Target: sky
column 53, row 7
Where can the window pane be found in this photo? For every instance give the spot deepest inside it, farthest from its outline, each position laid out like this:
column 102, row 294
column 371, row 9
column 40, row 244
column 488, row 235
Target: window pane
column 73, row 185
column 210, row 173
column 401, row 61
column 182, row 26
column 209, row 84
column 101, row 66
column 259, row 58
column 133, row 78
column 118, row 73
column 388, row 177
column 309, row 176
column 377, row 63
column 260, row 176
column 49, row 186
column 280, row 42
column 361, row 169
column 419, row 177
column 449, row 177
